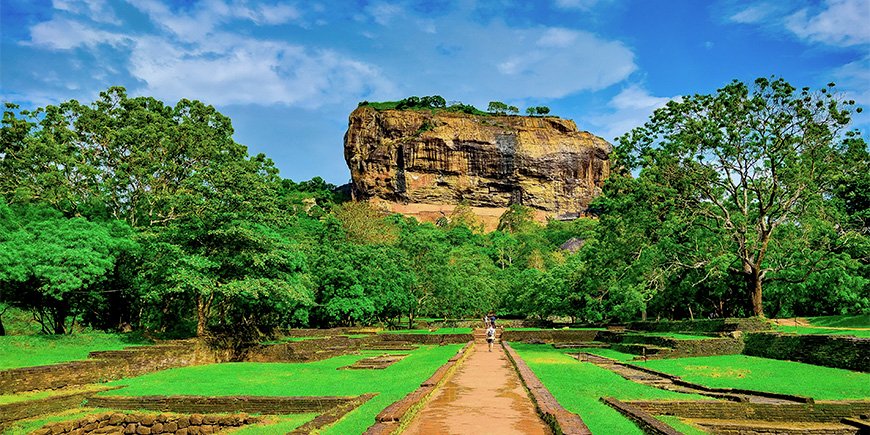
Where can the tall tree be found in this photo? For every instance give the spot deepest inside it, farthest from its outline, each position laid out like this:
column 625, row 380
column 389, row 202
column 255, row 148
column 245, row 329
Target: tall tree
column 745, row 162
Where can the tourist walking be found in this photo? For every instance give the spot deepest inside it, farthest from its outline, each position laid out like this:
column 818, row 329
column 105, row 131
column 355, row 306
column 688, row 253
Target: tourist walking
column 490, row 336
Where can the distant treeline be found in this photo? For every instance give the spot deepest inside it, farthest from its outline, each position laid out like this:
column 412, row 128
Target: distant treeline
column 438, row 103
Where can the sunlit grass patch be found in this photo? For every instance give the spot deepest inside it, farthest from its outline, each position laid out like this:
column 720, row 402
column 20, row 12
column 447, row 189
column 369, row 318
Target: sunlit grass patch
column 753, row 373
column 36, row 350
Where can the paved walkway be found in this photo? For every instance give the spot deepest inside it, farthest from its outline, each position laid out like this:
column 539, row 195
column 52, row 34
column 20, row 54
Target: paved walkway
column 484, row 396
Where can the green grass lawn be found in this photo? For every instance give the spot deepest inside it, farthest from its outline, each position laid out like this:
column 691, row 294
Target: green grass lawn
column 36, row 350
column 318, row 378
column 578, row 387
column 844, row 321
column 753, row 373
column 438, row 331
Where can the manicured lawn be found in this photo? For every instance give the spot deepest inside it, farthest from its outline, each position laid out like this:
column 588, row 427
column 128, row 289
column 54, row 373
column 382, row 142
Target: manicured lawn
column 36, row 350
column 753, row 373
column 318, row 378
column 578, row 387
column 438, row 331
column 844, row 321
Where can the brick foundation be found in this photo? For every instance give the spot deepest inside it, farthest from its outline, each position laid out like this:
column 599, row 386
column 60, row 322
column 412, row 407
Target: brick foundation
column 850, row 353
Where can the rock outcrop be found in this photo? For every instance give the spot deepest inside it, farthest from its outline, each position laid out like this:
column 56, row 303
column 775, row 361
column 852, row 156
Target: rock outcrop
column 423, row 164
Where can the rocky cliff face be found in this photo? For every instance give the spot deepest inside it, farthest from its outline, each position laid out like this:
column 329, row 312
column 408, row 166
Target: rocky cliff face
column 420, row 163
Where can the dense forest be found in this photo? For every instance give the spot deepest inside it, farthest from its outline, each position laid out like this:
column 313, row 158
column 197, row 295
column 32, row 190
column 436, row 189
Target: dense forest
column 130, row 213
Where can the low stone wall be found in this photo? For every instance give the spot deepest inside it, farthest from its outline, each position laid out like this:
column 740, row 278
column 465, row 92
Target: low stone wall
column 551, row 335
column 819, row 412
column 305, row 350
column 273, row 405
column 678, row 348
column 560, row 420
column 394, row 417
column 148, row 424
column 427, row 338
column 331, row 416
column 703, row 325
column 826, row 350
column 106, row 366
column 647, row 423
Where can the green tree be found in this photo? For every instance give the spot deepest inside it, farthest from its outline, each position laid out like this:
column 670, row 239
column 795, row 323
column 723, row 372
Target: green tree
column 54, row 266
column 497, row 108
column 743, row 163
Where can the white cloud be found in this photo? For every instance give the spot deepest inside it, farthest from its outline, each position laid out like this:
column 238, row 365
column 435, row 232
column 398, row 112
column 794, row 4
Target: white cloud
column 383, row 13
column 841, row 22
column 628, row 109
column 65, row 34
column 191, row 55
column 502, row 63
column 98, row 10
column 753, row 14
column 558, row 38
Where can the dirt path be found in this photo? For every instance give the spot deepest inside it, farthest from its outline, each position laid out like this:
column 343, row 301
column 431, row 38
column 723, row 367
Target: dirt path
column 484, row 396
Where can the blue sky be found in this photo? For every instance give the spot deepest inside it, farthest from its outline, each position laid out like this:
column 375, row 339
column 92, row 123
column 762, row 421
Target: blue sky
column 288, row 73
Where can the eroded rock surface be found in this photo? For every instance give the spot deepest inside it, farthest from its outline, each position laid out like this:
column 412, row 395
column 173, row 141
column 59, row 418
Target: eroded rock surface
column 419, row 163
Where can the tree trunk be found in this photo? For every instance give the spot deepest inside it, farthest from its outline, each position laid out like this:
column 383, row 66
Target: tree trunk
column 59, row 321
column 202, row 308
column 2, row 329
column 753, row 287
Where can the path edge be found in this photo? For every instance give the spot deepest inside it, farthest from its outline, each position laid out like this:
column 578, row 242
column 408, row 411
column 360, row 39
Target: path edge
column 560, row 420
column 396, row 416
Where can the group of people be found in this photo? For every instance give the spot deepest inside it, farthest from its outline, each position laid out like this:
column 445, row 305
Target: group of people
column 489, row 323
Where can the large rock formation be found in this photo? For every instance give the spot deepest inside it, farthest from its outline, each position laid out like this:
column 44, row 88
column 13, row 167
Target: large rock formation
column 423, row 164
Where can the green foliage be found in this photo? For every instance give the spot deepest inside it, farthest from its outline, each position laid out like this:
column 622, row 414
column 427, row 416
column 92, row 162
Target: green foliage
column 752, row 373
column 734, row 195
column 537, row 111
column 132, row 213
column 54, row 266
